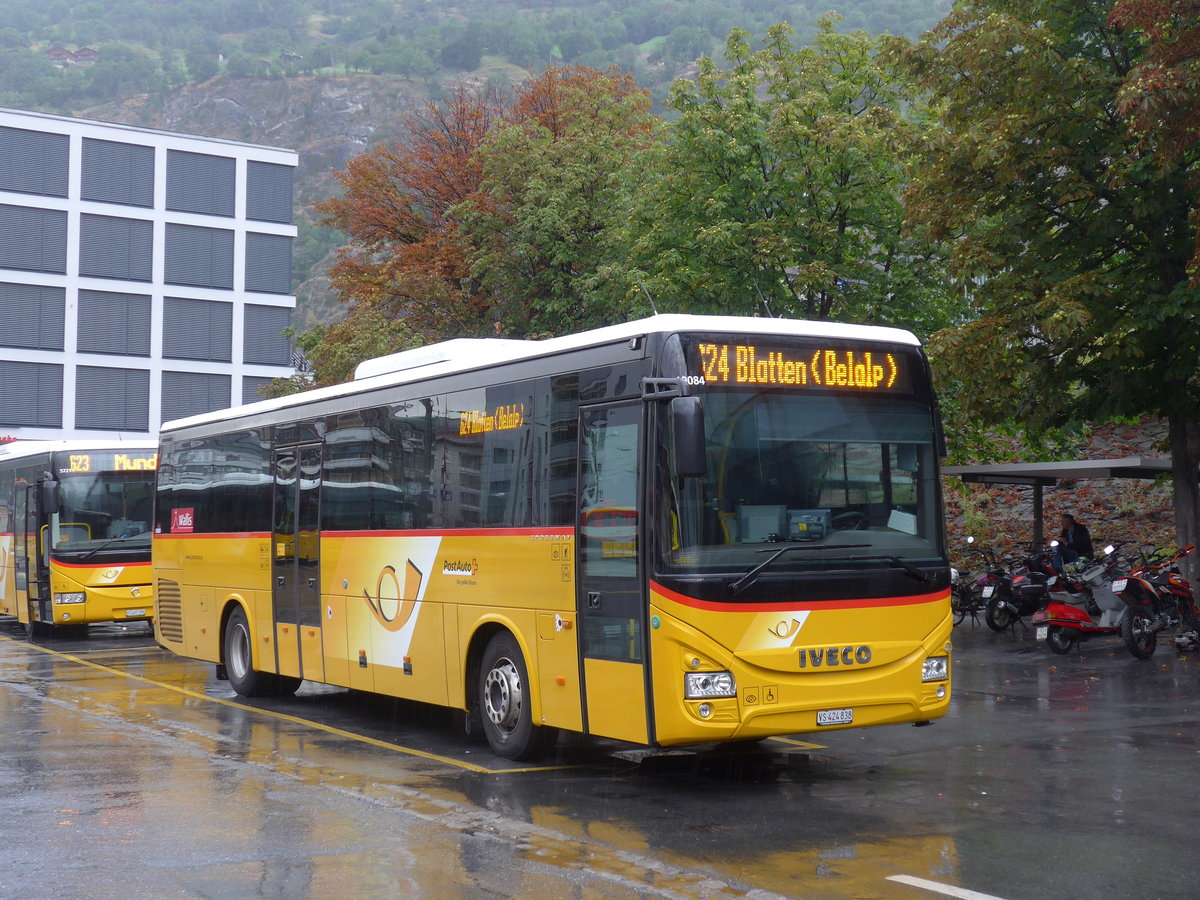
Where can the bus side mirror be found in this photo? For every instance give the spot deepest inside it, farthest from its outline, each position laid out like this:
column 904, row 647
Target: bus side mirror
column 49, row 497
column 687, row 420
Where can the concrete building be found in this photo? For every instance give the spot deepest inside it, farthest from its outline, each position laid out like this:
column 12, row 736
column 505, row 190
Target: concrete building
column 144, row 275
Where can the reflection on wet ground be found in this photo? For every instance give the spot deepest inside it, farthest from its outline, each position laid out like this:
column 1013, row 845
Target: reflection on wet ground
column 126, row 771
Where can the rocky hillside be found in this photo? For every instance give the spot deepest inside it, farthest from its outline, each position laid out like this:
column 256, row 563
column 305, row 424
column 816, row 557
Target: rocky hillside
column 328, row 119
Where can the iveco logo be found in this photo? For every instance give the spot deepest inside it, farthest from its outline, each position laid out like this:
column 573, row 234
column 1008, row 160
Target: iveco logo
column 828, row 657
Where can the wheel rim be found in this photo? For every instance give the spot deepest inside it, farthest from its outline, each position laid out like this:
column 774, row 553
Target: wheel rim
column 502, row 696
column 238, row 650
column 1141, row 631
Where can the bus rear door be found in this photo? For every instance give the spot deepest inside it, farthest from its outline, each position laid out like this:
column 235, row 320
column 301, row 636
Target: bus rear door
column 296, row 586
column 611, row 594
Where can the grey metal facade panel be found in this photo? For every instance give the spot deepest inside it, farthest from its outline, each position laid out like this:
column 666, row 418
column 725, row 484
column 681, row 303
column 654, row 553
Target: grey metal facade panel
column 197, row 329
column 263, row 338
column 269, row 192
column 114, row 247
column 33, row 239
column 34, row 162
column 250, row 387
column 268, row 263
column 111, row 322
column 199, row 183
column 199, row 257
column 112, row 399
column 191, row 393
column 114, row 172
column 32, row 315
column 31, row 394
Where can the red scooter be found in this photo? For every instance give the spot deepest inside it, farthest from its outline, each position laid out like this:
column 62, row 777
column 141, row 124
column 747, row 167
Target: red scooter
column 1081, row 607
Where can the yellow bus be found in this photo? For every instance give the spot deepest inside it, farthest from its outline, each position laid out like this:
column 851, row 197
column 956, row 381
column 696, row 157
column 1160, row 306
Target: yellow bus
column 674, row 531
column 75, row 521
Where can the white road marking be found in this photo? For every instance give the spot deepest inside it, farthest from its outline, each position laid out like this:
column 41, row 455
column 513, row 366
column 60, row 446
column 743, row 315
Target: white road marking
column 946, row 890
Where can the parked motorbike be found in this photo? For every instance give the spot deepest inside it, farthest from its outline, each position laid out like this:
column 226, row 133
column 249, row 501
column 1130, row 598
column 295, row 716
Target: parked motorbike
column 1157, row 597
column 1025, row 593
column 1081, row 604
column 966, row 597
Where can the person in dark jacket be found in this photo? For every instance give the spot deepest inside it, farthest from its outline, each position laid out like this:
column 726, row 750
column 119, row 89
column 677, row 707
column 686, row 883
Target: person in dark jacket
column 1074, row 541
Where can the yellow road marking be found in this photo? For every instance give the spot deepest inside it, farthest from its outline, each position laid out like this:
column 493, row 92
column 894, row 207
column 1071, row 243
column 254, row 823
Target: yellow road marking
column 295, row 720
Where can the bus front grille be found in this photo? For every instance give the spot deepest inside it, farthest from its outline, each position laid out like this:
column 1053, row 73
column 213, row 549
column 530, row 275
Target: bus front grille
column 169, row 599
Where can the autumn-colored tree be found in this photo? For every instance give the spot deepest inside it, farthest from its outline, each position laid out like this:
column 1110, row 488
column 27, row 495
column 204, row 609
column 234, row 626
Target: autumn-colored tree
column 403, row 257
column 1072, row 241
column 1161, row 94
column 553, row 176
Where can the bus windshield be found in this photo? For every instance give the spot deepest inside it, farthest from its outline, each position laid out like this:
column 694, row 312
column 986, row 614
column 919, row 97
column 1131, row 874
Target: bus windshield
column 843, row 478
column 103, row 509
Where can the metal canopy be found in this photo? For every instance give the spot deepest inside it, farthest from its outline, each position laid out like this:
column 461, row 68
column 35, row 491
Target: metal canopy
column 1048, row 474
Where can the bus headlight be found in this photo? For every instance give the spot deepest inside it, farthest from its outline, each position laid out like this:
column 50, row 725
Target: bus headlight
column 697, row 685
column 73, row 597
column 936, row 668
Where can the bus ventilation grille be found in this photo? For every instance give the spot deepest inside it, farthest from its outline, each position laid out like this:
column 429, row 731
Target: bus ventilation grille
column 169, row 613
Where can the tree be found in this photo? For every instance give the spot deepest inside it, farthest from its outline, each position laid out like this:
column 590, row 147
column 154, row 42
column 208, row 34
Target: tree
column 779, row 190
column 541, row 224
column 1071, row 238
column 403, row 257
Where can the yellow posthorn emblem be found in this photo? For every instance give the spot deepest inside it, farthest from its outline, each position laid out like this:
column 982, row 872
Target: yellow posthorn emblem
column 393, row 605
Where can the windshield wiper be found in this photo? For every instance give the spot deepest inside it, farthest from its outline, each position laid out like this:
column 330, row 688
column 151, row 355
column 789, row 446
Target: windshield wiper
column 736, row 587
column 739, row 585
column 108, row 544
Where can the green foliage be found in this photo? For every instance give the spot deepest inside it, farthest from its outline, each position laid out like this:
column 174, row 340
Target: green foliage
column 778, row 192
column 414, row 40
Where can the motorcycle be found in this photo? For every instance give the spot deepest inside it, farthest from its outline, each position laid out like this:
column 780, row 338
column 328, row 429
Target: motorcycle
column 1081, row 605
column 966, row 589
column 1024, row 593
column 1157, row 597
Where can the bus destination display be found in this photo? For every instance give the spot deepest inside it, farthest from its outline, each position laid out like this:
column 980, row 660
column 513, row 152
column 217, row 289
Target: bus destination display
column 137, row 461
column 868, row 370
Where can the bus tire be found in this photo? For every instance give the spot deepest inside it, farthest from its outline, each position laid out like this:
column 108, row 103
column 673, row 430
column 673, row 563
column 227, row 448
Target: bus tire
column 238, row 647
column 504, row 702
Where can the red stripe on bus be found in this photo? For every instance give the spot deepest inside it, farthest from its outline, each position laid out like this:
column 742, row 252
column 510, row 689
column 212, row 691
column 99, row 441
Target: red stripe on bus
column 858, row 603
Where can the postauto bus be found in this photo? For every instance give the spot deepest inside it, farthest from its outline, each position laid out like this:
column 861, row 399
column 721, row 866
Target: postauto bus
column 75, row 521
column 673, row 531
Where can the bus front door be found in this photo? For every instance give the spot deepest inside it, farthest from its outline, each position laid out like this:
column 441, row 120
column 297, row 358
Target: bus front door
column 296, row 600
column 32, row 563
column 610, row 594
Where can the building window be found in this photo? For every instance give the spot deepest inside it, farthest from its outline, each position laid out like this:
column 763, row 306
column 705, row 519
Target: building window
column 32, row 315
column 198, row 183
column 251, row 385
column 112, row 399
column 264, row 342
column 117, row 173
column 268, row 192
column 197, row 329
column 200, row 257
column 112, row 247
column 33, row 239
column 269, row 263
column 32, row 162
column 31, row 394
column 191, row 393
column 111, row 322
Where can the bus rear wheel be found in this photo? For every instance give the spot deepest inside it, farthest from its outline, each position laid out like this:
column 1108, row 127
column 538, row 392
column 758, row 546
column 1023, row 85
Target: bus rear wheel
column 239, row 662
column 504, row 702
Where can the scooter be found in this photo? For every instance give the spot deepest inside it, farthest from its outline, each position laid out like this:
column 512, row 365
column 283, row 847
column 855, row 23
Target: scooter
column 1024, row 593
column 1082, row 607
column 1157, row 597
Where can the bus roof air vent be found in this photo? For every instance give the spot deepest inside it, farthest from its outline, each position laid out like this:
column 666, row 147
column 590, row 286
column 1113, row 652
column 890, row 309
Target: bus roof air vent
column 480, row 351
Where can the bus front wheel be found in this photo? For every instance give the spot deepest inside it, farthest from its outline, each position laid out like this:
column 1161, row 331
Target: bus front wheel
column 239, row 662
column 504, row 702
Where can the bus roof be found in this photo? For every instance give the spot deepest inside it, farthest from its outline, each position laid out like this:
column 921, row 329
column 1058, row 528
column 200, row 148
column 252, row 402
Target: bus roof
column 20, row 449
column 468, row 354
